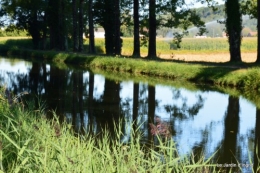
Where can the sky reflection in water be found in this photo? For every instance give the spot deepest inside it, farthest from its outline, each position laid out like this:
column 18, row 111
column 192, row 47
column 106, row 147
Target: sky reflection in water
column 205, row 127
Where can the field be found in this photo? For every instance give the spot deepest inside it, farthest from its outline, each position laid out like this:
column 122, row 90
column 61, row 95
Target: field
column 192, row 49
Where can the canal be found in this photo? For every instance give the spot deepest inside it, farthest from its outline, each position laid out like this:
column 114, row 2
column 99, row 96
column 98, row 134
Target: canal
column 198, row 120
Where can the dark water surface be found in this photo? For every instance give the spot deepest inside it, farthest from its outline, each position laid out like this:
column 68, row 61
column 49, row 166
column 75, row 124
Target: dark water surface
column 206, row 121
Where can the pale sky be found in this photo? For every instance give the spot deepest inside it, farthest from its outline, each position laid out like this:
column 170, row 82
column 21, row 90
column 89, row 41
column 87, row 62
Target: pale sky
column 201, row 5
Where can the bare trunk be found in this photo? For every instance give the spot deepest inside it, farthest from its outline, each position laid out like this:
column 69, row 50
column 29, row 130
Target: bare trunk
column 152, row 30
column 75, row 26
column 136, row 52
column 118, row 41
column 258, row 31
column 234, row 28
column 81, row 3
column 91, row 28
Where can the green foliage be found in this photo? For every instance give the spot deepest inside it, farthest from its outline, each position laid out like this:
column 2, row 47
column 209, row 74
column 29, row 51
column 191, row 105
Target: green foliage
column 32, row 143
column 8, row 32
column 249, row 7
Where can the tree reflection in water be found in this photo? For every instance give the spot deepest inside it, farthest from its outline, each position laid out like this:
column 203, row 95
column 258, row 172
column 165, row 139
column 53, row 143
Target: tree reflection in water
column 71, row 94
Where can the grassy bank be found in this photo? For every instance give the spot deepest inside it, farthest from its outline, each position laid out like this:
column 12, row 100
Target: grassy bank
column 31, row 143
column 242, row 75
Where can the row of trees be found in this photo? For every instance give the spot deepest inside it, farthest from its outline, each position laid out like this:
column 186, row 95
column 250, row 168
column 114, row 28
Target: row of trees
column 61, row 20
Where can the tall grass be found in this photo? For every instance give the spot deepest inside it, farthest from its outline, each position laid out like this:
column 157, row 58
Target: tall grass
column 32, row 143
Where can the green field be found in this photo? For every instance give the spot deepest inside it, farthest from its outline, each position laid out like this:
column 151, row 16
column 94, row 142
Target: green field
column 188, row 45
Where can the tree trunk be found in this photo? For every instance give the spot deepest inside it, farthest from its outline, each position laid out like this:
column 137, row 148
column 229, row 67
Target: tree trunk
column 152, row 30
column 118, row 41
column 234, row 28
column 91, row 28
column 56, row 23
column 75, row 26
column 112, row 27
column 81, row 25
column 136, row 52
column 109, row 26
column 258, row 31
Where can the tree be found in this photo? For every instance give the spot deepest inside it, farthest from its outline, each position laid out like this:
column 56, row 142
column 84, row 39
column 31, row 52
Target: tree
column 81, row 25
column 152, row 29
column 233, row 29
column 28, row 15
column 249, row 7
column 91, row 28
column 252, row 8
column 75, row 26
column 170, row 14
column 58, row 24
column 107, row 14
column 136, row 52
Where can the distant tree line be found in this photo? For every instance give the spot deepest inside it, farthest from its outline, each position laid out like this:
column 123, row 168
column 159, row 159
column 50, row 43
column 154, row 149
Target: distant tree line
column 63, row 20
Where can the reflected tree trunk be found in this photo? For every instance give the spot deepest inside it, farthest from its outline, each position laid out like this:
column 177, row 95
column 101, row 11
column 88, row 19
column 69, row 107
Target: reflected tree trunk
column 56, row 88
column 151, row 108
column 257, row 141
column 110, row 105
column 135, row 105
column 90, row 102
column 74, row 101
column 34, row 76
column 81, row 102
column 231, row 123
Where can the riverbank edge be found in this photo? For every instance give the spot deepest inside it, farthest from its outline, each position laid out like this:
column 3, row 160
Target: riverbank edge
column 238, row 75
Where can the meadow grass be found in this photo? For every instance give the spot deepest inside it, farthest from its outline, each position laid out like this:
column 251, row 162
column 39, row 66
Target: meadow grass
column 188, row 45
column 32, row 143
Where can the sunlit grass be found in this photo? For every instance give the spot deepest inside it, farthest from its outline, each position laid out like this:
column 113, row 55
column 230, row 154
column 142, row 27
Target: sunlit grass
column 32, row 143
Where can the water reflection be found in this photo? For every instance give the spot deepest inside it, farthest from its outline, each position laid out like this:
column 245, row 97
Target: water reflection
column 200, row 121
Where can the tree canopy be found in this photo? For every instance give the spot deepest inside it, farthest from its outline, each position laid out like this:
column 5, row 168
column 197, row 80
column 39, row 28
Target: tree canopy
column 65, row 20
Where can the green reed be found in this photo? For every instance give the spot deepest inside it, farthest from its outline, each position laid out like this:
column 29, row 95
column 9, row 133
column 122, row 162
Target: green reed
column 32, row 143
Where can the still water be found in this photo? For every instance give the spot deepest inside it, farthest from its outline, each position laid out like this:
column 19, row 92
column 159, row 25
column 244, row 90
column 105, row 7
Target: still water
column 201, row 120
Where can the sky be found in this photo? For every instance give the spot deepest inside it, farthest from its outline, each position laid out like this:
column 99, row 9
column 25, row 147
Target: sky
column 201, row 5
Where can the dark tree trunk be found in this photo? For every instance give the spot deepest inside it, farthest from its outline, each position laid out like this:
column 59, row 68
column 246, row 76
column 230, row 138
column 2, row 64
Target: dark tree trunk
column 75, row 26
column 152, row 30
column 112, row 27
column 118, row 41
column 234, row 28
column 81, row 25
column 257, row 142
column 258, row 31
column 228, row 154
column 91, row 28
column 136, row 52
column 62, row 27
column 151, row 108
column 109, row 26
column 57, row 25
